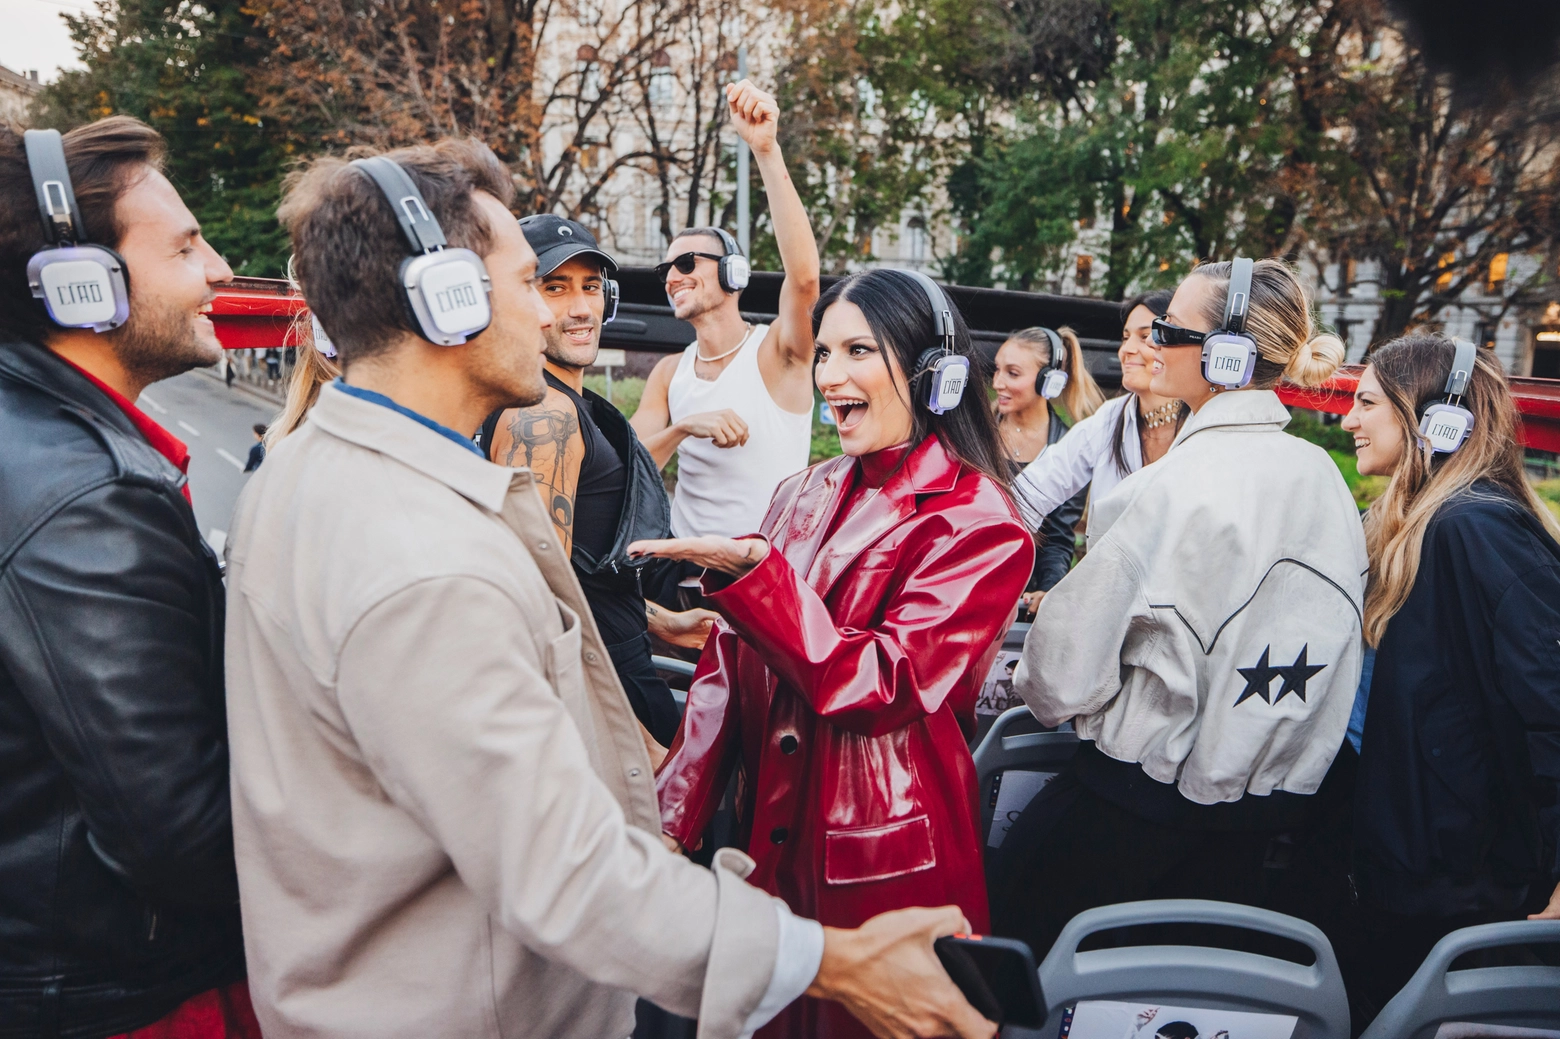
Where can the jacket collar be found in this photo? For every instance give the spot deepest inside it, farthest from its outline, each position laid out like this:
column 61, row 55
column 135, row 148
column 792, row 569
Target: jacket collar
column 414, row 445
column 929, row 469
column 1254, row 410
column 42, row 368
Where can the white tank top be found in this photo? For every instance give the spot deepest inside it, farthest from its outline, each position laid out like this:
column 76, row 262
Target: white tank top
column 726, row 490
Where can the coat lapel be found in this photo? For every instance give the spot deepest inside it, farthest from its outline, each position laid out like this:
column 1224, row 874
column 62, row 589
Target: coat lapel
column 928, row 469
column 811, row 512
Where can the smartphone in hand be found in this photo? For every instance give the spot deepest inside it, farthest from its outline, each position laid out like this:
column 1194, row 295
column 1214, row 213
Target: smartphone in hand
column 996, row 975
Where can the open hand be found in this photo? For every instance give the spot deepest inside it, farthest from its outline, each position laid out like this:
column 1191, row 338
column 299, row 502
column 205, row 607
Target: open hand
column 754, row 114
column 689, row 629
column 886, row 974
column 724, row 427
column 728, row 555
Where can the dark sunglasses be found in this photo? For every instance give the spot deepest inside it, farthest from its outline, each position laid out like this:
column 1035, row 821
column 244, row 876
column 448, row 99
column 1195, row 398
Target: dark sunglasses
column 1166, row 334
column 684, row 263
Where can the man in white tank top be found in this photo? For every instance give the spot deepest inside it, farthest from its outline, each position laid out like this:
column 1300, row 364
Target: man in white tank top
column 736, row 405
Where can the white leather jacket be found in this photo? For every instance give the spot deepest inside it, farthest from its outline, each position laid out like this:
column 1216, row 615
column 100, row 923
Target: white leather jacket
column 1212, row 632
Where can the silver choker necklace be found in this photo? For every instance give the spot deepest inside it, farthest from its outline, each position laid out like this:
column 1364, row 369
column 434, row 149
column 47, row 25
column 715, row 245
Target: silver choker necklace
column 1162, row 416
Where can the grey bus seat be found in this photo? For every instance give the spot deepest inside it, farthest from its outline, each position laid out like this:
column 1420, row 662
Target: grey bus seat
column 678, row 674
column 1522, row 997
column 1215, row 979
column 1012, row 744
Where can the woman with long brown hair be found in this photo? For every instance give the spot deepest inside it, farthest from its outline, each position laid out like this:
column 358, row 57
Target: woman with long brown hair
column 1457, row 809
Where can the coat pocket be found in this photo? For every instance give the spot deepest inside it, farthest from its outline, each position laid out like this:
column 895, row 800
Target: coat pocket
column 565, row 669
column 866, row 853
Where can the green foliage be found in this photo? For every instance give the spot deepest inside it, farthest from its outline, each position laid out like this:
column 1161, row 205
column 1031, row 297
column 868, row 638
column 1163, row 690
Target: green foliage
column 1366, row 489
column 184, row 68
column 1549, row 494
column 625, row 391
column 1307, row 425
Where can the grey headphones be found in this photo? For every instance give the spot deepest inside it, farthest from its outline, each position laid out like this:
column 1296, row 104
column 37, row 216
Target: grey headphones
column 1052, row 377
column 446, row 290
column 948, row 372
column 1229, row 355
column 733, row 272
column 1445, row 425
column 82, row 285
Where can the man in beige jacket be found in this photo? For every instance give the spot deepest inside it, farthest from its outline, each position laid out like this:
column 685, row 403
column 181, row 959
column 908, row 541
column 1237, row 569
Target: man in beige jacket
column 444, row 814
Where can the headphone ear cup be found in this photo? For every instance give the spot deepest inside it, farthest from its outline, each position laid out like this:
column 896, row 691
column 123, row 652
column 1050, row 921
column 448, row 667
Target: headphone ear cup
column 613, row 295
column 734, row 272
column 1050, row 382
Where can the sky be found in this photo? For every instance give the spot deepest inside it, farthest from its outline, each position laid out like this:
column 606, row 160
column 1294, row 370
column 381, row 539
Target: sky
column 35, row 36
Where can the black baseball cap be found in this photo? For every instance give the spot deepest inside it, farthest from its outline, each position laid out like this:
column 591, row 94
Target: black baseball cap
column 555, row 240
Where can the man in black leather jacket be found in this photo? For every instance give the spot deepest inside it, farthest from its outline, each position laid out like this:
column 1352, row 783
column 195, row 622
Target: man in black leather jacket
column 118, row 895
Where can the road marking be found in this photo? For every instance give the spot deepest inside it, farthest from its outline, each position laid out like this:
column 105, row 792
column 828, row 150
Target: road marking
column 217, row 539
column 191, row 430
column 155, row 406
column 236, row 463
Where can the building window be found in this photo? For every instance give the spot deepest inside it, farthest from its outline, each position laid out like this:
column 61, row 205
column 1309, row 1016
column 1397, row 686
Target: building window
column 662, row 83
column 915, row 240
column 1495, row 282
column 1082, row 272
column 1484, row 334
column 590, row 72
column 1443, row 280
column 1343, row 328
column 1348, row 274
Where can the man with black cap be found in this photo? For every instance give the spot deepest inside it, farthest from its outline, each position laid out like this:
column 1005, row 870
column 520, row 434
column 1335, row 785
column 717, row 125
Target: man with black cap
column 599, row 484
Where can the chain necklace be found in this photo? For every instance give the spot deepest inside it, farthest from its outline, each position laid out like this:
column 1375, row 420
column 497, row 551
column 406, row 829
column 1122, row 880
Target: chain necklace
column 721, row 357
column 1163, row 415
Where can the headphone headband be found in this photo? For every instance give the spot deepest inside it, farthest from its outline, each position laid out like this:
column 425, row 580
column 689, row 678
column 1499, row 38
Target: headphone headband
column 942, row 310
column 1237, row 300
column 1462, row 368
column 728, row 242
column 51, row 183
column 418, row 225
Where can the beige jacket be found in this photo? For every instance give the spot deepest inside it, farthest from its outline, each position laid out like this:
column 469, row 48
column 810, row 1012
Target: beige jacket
column 444, row 814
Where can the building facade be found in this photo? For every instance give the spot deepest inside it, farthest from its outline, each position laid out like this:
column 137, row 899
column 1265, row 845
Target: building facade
column 17, row 90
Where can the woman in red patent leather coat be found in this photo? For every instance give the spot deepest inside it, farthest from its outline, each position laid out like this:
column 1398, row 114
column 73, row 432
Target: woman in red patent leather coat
column 855, row 635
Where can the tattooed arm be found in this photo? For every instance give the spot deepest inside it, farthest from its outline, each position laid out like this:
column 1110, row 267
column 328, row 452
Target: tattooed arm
column 545, row 439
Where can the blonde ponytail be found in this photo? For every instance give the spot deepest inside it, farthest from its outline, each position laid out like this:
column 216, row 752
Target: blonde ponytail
column 1083, row 395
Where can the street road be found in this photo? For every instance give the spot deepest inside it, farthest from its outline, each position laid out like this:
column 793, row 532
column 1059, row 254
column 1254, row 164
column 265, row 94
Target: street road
column 216, row 423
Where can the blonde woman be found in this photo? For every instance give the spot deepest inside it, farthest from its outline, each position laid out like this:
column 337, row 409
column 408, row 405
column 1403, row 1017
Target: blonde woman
column 1207, row 649
column 1035, row 367
column 1457, row 811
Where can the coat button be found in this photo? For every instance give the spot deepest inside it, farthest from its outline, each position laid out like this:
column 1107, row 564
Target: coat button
column 633, row 773
column 778, row 835
column 788, row 744
column 590, row 656
column 542, row 546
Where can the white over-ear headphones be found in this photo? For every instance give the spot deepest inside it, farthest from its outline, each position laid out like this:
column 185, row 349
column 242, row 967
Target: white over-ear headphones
column 1229, row 355
column 1446, row 425
column 947, row 373
column 1052, row 377
column 82, row 285
column 445, row 289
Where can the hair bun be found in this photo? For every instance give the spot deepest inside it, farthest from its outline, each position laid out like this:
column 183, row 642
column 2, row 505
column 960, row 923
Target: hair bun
column 1314, row 362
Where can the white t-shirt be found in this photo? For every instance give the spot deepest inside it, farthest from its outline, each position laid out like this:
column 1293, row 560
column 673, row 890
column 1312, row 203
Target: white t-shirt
column 726, row 490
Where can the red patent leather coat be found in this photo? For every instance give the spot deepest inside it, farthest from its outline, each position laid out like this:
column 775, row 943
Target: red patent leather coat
column 843, row 678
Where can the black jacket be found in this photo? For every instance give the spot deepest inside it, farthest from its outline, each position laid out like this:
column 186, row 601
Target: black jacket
column 1457, row 807
column 1057, row 543
column 118, row 897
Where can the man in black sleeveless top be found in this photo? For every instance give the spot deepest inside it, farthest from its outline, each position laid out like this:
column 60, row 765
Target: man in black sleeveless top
column 600, row 485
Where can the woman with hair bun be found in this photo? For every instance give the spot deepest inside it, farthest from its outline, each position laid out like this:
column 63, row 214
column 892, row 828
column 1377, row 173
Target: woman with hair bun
column 1207, row 649
column 1029, row 367
column 1457, row 802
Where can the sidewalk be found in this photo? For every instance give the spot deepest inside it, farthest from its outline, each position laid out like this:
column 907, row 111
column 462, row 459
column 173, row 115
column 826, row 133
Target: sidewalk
column 258, row 392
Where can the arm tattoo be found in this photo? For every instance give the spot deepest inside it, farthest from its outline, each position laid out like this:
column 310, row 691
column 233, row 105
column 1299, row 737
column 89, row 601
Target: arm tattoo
column 547, row 439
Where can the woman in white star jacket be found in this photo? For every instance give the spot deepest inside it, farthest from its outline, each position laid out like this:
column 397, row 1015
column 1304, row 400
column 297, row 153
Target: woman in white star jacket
column 1207, row 648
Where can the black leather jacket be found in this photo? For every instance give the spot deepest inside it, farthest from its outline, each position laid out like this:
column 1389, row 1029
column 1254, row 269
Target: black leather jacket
column 118, row 897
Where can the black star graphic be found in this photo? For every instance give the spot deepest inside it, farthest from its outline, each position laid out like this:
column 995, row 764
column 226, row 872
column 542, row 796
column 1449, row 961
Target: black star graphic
column 1258, row 679
column 1296, row 675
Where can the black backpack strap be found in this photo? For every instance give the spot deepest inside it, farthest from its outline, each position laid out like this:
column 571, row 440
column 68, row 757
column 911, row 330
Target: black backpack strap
column 489, row 430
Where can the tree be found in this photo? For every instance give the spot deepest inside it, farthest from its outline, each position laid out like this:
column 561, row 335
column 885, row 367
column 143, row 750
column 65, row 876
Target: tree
column 183, row 67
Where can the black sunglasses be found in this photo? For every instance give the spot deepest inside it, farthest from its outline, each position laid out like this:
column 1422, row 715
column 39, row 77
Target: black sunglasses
column 684, row 263
column 1166, row 334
